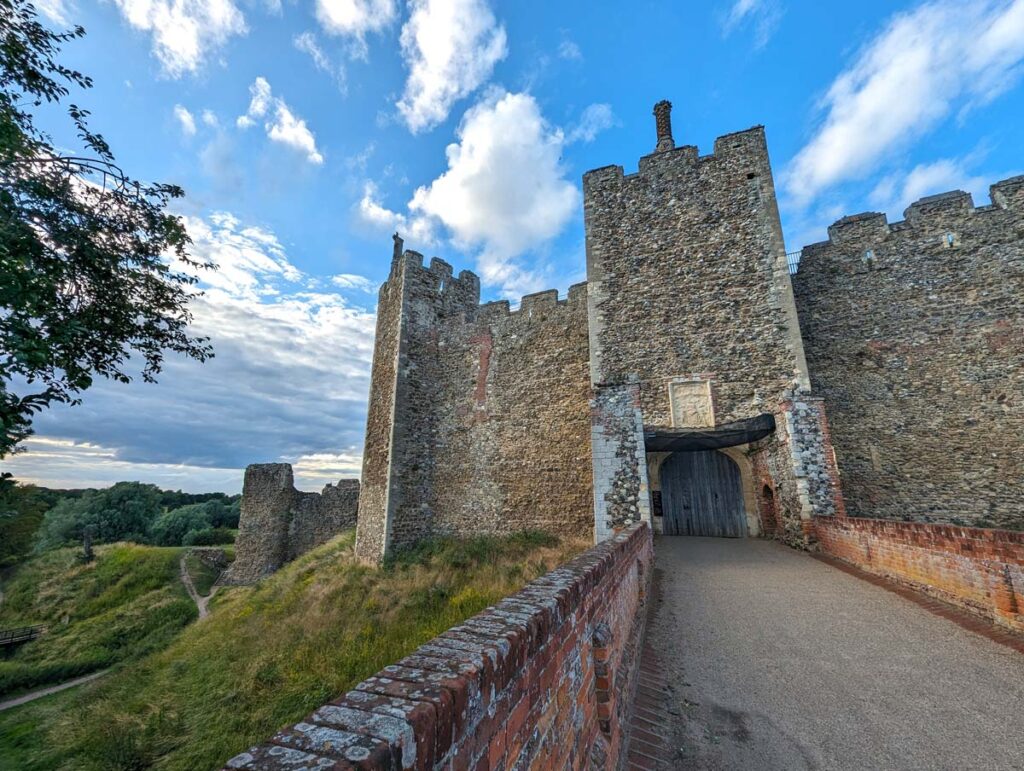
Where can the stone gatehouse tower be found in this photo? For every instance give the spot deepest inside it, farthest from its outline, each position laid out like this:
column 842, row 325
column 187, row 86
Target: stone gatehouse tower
column 692, row 325
column 673, row 385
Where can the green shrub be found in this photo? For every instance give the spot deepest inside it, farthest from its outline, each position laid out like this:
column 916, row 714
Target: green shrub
column 171, row 527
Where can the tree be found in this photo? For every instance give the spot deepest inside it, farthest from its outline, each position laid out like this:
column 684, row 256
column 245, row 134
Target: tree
column 171, row 527
column 123, row 512
column 93, row 268
column 21, row 512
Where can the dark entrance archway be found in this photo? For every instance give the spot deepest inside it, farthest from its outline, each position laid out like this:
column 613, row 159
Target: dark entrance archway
column 702, row 494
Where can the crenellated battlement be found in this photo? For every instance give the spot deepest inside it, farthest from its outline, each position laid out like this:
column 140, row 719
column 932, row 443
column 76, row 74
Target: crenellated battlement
column 459, row 296
column 943, row 216
column 538, row 304
column 914, row 337
column 737, row 146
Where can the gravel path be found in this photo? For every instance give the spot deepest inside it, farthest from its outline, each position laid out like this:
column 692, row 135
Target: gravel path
column 774, row 660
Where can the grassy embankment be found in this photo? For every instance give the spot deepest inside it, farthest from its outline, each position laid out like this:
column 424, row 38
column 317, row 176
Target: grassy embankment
column 269, row 654
column 127, row 603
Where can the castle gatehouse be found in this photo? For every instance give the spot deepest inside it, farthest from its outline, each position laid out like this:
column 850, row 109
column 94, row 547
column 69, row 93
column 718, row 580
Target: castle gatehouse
column 686, row 385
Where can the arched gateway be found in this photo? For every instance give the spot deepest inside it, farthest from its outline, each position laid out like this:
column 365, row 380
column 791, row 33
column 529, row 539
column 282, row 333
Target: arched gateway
column 702, row 494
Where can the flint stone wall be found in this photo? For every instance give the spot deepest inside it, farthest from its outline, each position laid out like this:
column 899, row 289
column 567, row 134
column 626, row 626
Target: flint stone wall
column 915, row 337
column 687, row 277
column 480, row 422
column 279, row 523
column 621, row 486
column 688, row 283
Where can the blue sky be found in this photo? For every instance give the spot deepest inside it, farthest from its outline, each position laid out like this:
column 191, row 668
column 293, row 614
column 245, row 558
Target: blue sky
column 306, row 132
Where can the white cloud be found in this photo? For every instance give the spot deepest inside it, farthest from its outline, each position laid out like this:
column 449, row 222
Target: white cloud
column 307, row 43
column 568, row 49
column 359, row 161
column 353, row 19
column 188, row 123
column 54, row 10
column 288, row 382
column 450, row 48
column 285, row 127
column 250, row 260
column 924, row 63
column 259, row 103
column 290, row 130
column 418, row 230
column 184, row 32
column 595, row 119
column 210, row 119
column 897, row 191
column 353, row 281
column 763, row 15
column 505, row 190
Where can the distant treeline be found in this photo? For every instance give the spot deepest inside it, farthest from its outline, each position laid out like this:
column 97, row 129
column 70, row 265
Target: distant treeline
column 34, row 519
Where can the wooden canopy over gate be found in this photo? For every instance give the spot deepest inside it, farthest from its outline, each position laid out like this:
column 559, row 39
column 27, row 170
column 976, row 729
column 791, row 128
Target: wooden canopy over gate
column 696, row 439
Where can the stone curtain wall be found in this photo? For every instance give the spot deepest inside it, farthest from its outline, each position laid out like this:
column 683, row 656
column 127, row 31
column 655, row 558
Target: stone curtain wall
column 542, row 680
column 915, row 337
column 279, row 523
column 511, row 436
column 479, row 420
column 621, row 487
column 978, row 569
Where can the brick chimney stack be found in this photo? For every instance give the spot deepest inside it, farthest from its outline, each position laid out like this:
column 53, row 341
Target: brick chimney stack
column 663, row 121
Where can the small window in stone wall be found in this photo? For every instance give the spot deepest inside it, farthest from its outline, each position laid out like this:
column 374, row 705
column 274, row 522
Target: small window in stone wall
column 754, row 184
column 868, row 258
column 950, row 240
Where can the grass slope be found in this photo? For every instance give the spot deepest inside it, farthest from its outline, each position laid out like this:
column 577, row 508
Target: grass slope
column 269, row 654
column 125, row 604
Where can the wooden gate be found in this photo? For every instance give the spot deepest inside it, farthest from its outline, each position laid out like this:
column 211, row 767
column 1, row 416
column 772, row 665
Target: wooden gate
column 701, row 494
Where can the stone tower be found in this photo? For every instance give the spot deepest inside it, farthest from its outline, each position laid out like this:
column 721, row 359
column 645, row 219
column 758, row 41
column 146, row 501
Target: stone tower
column 692, row 325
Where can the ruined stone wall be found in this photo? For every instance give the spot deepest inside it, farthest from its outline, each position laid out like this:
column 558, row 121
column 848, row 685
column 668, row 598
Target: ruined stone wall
column 481, row 425
column 279, row 523
column 545, row 679
column 915, row 337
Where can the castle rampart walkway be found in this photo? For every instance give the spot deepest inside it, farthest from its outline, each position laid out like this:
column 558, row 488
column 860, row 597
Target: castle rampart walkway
column 770, row 659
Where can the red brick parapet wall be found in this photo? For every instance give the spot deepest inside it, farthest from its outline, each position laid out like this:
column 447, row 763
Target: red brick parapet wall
column 542, row 680
column 978, row 569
